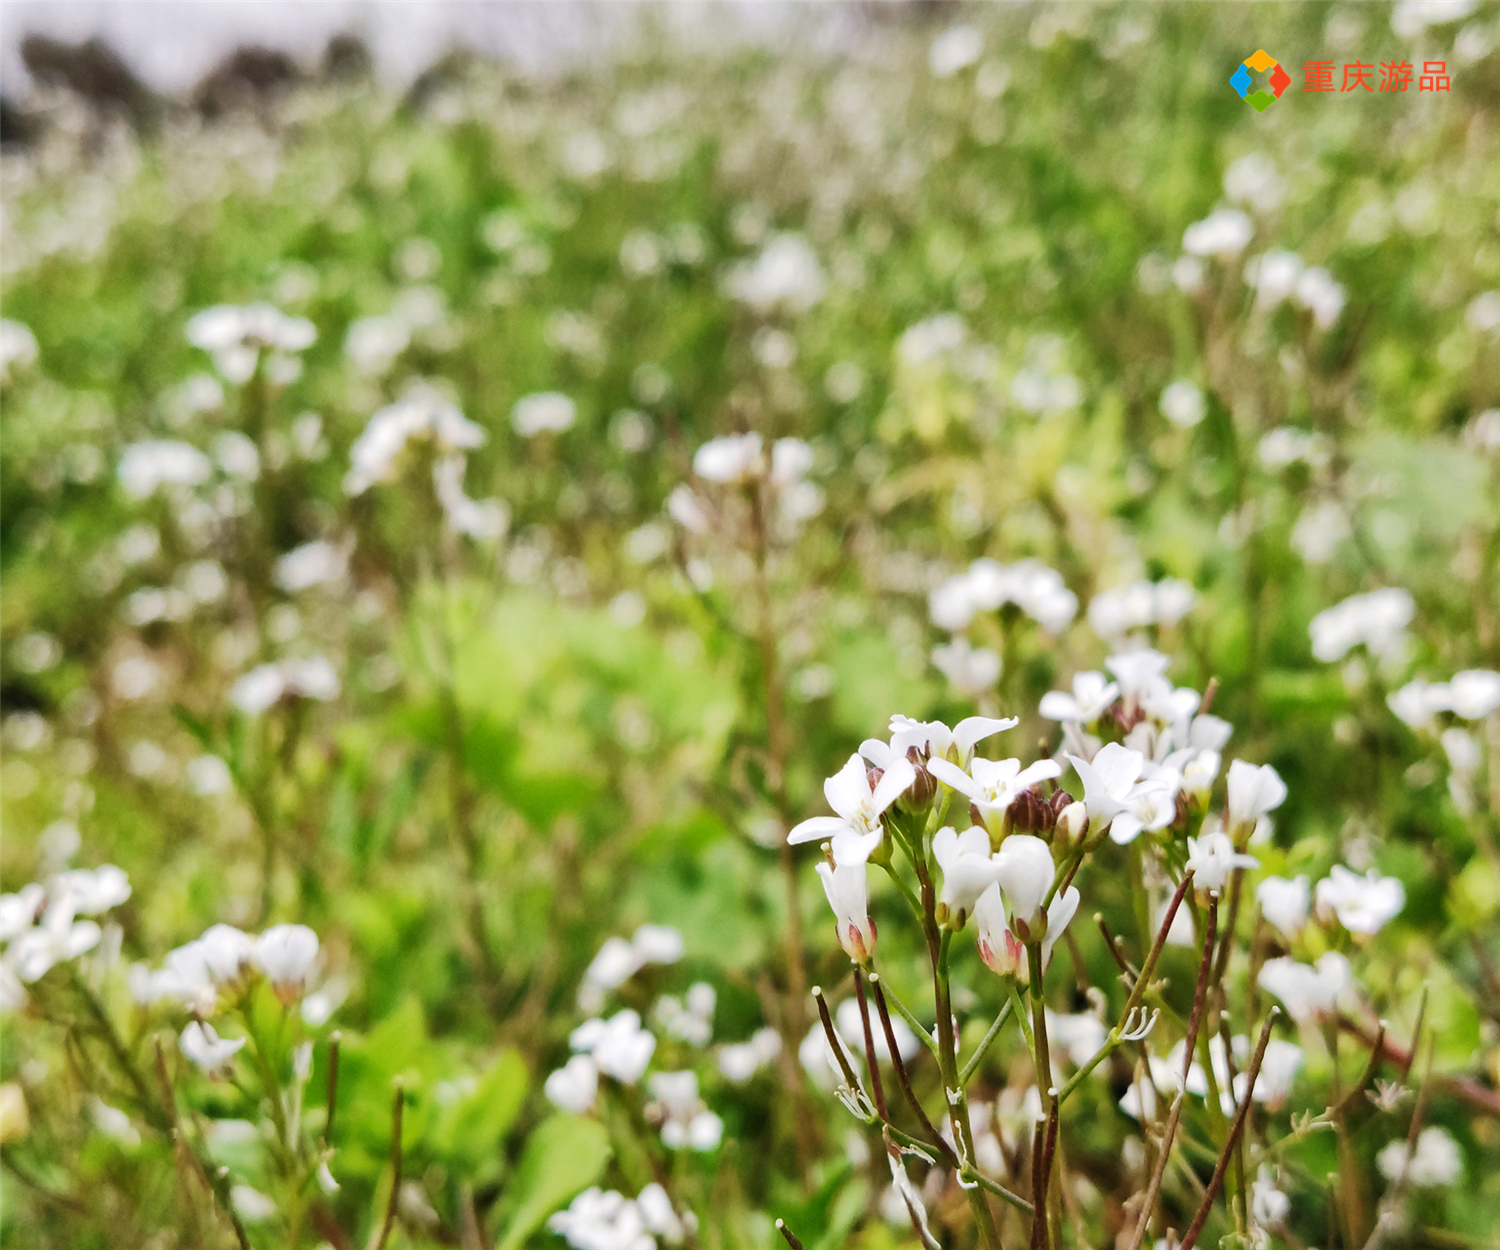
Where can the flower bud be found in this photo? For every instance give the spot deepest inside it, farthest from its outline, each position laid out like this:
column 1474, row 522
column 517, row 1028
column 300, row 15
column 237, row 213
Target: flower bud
column 921, row 792
column 1072, row 825
column 1005, row 956
column 1030, row 813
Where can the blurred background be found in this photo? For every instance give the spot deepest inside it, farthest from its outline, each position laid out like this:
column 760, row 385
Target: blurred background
column 1029, row 283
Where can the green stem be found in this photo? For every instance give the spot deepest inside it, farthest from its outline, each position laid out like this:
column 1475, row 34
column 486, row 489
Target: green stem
column 958, row 1105
column 917, row 1026
column 978, row 1056
column 907, row 892
column 1052, row 1190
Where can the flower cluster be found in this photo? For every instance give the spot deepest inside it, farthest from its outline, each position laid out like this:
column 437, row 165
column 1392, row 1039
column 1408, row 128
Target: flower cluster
column 42, row 926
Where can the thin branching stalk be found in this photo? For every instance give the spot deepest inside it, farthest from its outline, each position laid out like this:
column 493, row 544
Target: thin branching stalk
column 983, row 1048
column 1190, row 1238
column 902, row 1078
column 1174, row 1117
column 876, row 1088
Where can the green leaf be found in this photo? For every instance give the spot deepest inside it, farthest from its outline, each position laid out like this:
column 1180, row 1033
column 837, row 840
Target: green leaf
column 565, row 1156
column 471, row 1129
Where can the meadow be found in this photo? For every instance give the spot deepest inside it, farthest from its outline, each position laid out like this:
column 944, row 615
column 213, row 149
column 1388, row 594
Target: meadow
column 888, row 638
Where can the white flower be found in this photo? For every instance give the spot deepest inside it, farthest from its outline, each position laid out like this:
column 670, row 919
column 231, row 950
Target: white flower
column 933, row 739
column 1321, row 295
column 1026, row 874
column 739, row 1061
column 235, row 337
column 1080, row 1037
column 285, row 954
column 968, row 867
column 956, row 48
column 1474, row 693
column 250, row 1204
column 972, row 670
column 1212, row 858
column 422, row 414
column 200, row 1043
column 1284, row 903
column 268, row 684
column 994, row 784
column 114, row 1123
column 374, row 343
column 1223, row 234
column 547, row 410
column 847, row 892
column 686, row 1121
column 1417, row 702
column 57, row 939
column 1310, row 994
column 602, row 1220
column 911, row 1200
column 620, row 1047
column 1362, row 904
column 573, row 1086
column 18, row 911
column 791, row 461
column 656, row 1213
column 91, row 891
column 1436, row 1162
column 312, row 564
column 856, row 830
column 732, row 459
column 1377, row 619
column 1278, row 1069
column 1149, row 805
column 1108, row 781
column 146, row 467
column 1183, row 405
column 658, row 944
column 1268, row 1205
column 785, row 275
column 1002, row 952
column 1273, row 276
column 1140, row 673
column 17, row 347
column 1037, row 590
column 1253, row 792
column 1093, row 694
column 484, row 519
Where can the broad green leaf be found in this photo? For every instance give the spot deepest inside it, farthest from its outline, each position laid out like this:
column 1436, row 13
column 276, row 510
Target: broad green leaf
column 470, row 1130
column 565, row 1156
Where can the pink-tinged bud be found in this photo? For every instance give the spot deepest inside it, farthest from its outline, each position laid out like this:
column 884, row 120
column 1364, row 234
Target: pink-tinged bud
column 1060, row 800
column 1002, row 952
column 1005, row 956
column 845, row 887
column 859, row 944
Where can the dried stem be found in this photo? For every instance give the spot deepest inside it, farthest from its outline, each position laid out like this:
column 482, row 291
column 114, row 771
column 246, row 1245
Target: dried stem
column 876, row 1088
column 398, row 1102
column 902, row 1078
column 835, row 1043
column 791, row 1237
column 333, row 1086
column 1190, row 1239
column 1200, row 993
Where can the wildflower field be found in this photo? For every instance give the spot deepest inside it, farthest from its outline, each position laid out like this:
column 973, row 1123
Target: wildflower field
column 884, row 638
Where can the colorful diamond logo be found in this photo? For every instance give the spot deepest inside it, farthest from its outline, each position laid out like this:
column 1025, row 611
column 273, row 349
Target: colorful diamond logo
column 1244, row 78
